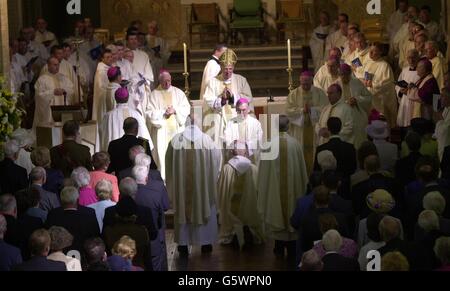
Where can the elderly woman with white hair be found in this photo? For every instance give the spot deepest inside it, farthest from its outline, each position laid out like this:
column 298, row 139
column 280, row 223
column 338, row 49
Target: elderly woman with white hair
column 435, row 201
column 101, row 162
column 82, row 178
column 104, row 191
column 333, row 261
column 25, row 141
column 61, row 239
column 139, row 157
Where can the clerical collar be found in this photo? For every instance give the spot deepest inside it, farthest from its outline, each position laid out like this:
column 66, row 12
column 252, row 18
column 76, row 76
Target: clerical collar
column 216, row 59
column 335, row 136
column 412, row 69
column 240, row 164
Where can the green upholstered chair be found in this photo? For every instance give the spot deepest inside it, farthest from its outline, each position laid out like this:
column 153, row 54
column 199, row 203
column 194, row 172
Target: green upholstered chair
column 247, row 15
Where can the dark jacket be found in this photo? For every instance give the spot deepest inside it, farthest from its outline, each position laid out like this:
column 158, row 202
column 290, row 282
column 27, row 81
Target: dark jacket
column 417, row 257
column 9, row 256
column 12, row 177
column 41, row 264
column 118, row 151
column 48, row 200
column 334, row 263
column 20, row 230
column 69, row 156
column 344, row 153
column 405, row 169
column 445, row 164
column 55, row 181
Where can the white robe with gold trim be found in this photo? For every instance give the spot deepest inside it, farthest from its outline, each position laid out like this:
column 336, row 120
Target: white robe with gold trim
column 343, row 111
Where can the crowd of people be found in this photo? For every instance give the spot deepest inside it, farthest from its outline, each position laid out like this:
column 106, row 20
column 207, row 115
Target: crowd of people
column 360, row 161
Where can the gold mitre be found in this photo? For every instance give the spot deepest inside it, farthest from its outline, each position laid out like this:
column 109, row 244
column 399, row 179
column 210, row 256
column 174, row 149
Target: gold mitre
column 229, row 58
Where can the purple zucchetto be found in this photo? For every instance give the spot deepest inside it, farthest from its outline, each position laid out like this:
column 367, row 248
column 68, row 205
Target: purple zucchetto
column 113, row 72
column 307, row 73
column 345, row 69
column 121, row 95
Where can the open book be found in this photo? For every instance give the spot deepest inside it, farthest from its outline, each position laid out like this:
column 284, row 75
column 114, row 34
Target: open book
column 357, row 62
column 402, row 84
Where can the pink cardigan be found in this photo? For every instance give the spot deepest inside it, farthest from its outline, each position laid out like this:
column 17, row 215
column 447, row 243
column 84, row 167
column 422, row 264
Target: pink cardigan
column 97, row 176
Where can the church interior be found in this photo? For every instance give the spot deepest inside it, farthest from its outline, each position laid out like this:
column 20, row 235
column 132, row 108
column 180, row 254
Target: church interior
column 356, row 104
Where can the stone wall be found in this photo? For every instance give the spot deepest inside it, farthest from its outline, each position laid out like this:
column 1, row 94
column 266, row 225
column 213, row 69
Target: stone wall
column 4, row 39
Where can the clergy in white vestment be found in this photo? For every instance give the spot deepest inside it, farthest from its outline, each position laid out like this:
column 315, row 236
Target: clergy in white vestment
column 303, row 108
column 349, row 53
column 281, row 182
column 84, row 70
column 443, row 126
column 245, row 129
column 123, row 63
column 67, row 70
column 328, row 74
column 403, row 33
column 318, row 38
column 221, row 95
column 167, row 111
column 52, row 89
column 379, row 80
column 47, row 38
column 432, row 27
column 338, row 38
column 35, row 48
column 115, row 78
column 397, row 19
column 142, row 67
column 157, row 49
column 87, row 48
column 359, row 98
column 112, row 123
column 440, row 67
column 100, row 86
column 17, row 75
column 337, row 108
column 407, row 44
column 361, row 56
column 212, row 68
column 67, row 52
column 410, row 77
column 192, row 174
column 238, row 200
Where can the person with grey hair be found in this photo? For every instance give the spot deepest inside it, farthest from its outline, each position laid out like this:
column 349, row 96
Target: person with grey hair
column 13, row 177
column 101, row 162
column 82, row 179
column 311, row 262
column 61, row 240
column 436, row 58
column 9, row 254
column 40, row 157
column 442, row 252
column 103, row 189
column 435, row 201
column 139, row 157
column 155, row 197
column 48, row 200
column 25, row 141
column 80, row 221
column 333, row 261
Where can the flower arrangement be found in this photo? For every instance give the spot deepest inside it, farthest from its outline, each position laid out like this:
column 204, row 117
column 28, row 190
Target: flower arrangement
column 10, row 114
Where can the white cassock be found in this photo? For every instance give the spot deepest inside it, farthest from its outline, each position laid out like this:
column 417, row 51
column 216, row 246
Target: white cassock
column 343, row 111
column 356, row 89
column 85, row 49
column 46, row 36
column 336, row 39
column 364, row 57
column 406, row 107
column 439, row 70
column 303, row 124
column 383, row 90
column 141, row 65
column 211, row 71
column 281, row 182
column 216, row 116
column 399, row 38
column 404, row 48
column 17, row 76
column 163, row 130
column 442, row 132
column 238, row 201
column 192, row 172
column 101, row 83
column 86, row 75
column 112, row 125
column 248, row 130
column 45, row 97
column 317, row 44
column 434, row 31
column 126, row 68
column 323, row 79
column 67, row 70
column 395, row 23
column 110, row 97
column 36, row 49
column 157, row 44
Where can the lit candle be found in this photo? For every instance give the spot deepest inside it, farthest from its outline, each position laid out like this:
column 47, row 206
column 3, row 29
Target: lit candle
column 289, row 54
column 185, row 58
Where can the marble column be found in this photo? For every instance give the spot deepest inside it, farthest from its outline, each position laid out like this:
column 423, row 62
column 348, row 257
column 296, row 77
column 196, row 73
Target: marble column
column 4, row 40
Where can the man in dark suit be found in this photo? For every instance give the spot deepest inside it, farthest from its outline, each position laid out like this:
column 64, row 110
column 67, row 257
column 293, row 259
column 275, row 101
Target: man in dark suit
column 376, row 181
column 128, row 187
column 19, row 229
column 333, row 261
column 445, row 164
column 13, row 177
column 40, row 247
column 144, row 159
column 48, row 200
column 309, row 227
column 55, row 178
column 344, row 152
column 118, row 149
column 81, row 222
column 70, row 154
column 9, row 255
column 405, row 169
column 154, row 196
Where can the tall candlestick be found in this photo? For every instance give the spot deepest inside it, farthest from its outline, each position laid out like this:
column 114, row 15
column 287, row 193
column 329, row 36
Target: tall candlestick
column 185, row 58
column 289, row 54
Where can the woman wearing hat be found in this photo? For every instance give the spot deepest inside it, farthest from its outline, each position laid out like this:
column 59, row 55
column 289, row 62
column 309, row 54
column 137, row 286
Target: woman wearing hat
column 379, row 131
column 25, row 140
